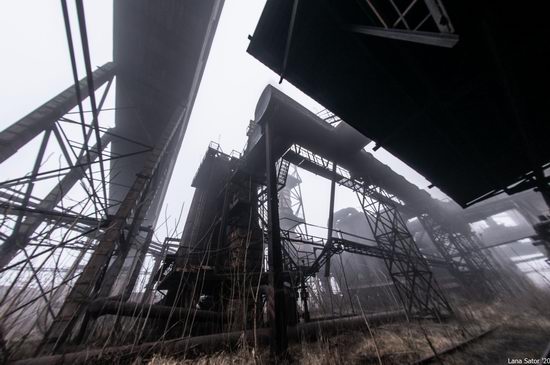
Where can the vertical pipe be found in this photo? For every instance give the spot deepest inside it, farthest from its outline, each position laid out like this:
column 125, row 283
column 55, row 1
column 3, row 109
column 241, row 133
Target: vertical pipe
column 278, row 311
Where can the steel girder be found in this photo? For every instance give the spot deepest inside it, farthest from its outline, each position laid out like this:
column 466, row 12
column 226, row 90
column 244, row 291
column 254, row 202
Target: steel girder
column 120, row 230
column 21, row 132
column 464, row 261
column 21, row 237
column 413, row 279
column 410, row 272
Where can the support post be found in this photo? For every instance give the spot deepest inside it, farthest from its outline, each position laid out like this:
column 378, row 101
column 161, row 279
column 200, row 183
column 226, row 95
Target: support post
column 413, row 280
column 278, row 313
column 30, row 185
column 470, row 266
column 328, row 247
column 113, row 270
column 330, row 224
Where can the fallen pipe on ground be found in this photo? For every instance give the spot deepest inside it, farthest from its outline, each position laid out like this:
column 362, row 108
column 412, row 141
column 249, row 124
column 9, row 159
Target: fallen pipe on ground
column 210, row 343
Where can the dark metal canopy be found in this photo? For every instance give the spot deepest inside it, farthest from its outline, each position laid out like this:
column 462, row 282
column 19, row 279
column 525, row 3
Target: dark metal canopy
column 470, row 115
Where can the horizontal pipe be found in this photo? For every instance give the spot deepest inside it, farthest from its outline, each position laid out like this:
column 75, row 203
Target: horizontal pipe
column 342, row 144
column 213, row 342
column 312, row 330
column 103, row 307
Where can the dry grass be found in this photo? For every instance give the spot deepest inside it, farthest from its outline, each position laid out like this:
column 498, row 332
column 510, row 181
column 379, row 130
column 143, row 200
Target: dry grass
column 243, row 357
column 522, row 332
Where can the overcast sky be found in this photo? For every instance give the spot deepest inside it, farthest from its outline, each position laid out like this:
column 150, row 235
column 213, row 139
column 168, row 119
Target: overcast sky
column 35, row 66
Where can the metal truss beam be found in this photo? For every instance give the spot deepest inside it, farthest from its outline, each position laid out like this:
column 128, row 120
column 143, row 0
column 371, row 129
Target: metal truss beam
column 318, row 165
column 308, row 263
column 21, row 237
column 48, row 215
column 90, row 79
column 291, row 204
column 466, row 263
column 122, row 228
column 412, row 278
column 21, row 132
column 395, row 24
column 446, row 40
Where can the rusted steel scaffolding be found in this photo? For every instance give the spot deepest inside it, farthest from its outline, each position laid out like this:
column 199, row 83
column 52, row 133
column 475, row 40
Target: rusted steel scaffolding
column 41, row 234
column 75, row 249
column 407, row 267
column 78, row 223
column 234, row 230
column 78, row 238
column 463, row 255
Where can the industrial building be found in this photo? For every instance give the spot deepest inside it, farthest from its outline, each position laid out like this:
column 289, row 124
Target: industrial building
column 453, row 89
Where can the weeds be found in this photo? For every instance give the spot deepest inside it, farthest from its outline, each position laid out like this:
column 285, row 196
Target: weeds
column 521, row 333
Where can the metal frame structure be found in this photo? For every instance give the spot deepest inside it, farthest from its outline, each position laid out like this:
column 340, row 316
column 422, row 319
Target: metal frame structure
column 66, row 242
column 407, row 267
column 459, row 250
column 121, row 231
column 413, row 279
column 465, row 260
column 412, row 23
column 112, row 239
column 291, row 199
column 42, row 232
column 47, row 119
